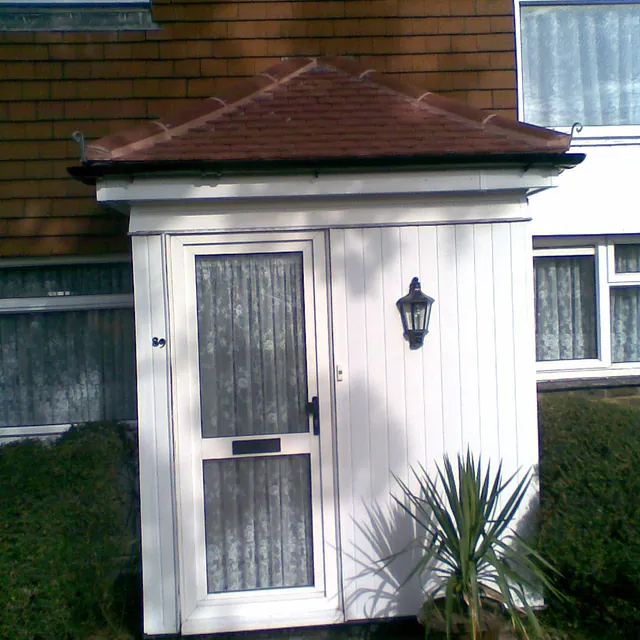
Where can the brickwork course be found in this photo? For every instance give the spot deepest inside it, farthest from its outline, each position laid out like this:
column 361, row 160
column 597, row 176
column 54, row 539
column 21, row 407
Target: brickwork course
column 52, row 84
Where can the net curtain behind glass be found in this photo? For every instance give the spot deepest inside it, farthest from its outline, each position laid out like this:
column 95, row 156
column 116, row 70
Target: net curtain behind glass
column 581, row 63
column 253, row 382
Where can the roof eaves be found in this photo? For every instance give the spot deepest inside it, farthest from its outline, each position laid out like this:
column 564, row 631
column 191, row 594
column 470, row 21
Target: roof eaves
column 92, row 170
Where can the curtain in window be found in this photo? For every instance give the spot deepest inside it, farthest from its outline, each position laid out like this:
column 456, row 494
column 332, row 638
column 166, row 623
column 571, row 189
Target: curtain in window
column 565, row 308
column 252, row 344
column 67, row 366
column 258, row 523
column 581, row 63
column 65, row 280
column 625, row 324
column 627, row 258
column 625, row 308
column 253, row 382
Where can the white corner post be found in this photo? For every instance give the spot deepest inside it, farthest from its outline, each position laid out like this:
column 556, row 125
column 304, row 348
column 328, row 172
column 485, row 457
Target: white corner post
column 157, row 495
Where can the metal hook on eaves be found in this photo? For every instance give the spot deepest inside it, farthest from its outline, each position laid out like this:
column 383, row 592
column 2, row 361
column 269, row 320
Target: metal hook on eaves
column 78, row 136
column 576, row 127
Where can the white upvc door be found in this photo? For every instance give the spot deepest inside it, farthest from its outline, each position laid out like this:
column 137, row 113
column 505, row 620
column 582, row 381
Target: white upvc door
column 251, row 383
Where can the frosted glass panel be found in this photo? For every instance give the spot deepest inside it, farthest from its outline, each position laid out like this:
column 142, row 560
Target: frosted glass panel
column 581, row 63
column 258, row 523
column 565, row 308
column 70, row 366
column 251, row 344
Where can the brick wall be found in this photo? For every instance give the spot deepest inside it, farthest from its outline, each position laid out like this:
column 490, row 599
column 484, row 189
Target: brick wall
column 52, row 84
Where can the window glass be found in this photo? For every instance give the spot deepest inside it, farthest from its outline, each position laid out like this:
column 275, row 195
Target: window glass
column 565, row 302
column 625, row 324
column 65, row 280
column 60, row 366
column 627, row 258
column 75, row 15
column 581, row 63
column 65, row 367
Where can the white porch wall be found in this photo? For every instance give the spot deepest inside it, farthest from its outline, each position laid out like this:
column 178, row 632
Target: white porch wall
column 599, row 196
column 473, row 382
column 471, row 385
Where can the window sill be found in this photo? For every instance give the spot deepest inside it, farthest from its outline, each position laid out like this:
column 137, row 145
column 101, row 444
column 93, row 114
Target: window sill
column 37, row 18
column 602, row 376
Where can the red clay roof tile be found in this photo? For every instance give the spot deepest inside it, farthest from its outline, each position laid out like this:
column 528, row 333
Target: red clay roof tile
column 324, row 108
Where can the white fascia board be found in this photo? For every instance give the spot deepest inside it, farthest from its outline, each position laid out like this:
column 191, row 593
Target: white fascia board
column 118, row 190
column 340, row 212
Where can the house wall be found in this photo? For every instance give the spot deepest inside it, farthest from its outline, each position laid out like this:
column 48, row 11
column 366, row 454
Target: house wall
column 52, row 84
column 596, row 198
column 470, row 386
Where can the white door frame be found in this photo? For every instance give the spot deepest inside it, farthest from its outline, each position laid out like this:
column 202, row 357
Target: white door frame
column 261, row 609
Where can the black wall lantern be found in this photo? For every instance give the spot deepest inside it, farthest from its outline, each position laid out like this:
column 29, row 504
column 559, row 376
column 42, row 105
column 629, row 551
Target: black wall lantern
column 415, row 311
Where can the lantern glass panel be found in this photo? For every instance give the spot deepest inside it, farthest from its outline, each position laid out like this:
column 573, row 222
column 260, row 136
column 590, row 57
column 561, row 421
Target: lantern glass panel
column 419, row 315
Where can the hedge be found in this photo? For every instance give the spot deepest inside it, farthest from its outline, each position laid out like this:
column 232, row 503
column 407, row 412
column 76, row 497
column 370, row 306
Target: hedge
column 590, row 512
column 67, row 538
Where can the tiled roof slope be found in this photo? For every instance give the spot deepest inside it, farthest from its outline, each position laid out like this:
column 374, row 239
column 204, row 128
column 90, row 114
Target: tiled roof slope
column 325, row 108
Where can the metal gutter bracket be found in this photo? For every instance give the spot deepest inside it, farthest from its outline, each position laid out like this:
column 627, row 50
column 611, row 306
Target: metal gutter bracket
column 78, row 136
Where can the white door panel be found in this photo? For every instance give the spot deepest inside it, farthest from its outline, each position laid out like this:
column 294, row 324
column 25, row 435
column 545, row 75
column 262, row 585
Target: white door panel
column 250, row 351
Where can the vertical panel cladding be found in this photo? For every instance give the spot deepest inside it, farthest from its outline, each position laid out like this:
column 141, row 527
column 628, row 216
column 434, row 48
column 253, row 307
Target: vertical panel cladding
column 375, row 336
column 409, row 257
column 432, row 349
column 449, row 338
column 505, row 349
column 486, row 341
column 468, row 386
column 524, row 340
column 344, row 444
column 468, row 336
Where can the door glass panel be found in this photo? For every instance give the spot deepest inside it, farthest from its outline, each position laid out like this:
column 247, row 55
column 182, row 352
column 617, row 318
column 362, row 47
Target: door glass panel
column 258, row 523
column 251, row 344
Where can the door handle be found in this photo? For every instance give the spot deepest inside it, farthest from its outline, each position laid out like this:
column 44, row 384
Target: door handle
column 313, row 409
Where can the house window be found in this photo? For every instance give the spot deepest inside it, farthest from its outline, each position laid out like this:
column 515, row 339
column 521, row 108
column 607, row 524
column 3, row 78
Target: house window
column 579, row 62
column 75, row 15
column 66, row 345
column 587, row 306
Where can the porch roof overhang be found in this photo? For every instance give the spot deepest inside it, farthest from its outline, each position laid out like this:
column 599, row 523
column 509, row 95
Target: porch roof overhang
column 439, row 175
column 323, row 127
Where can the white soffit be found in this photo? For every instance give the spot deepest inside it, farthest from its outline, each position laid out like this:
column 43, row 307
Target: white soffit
column 148, row 189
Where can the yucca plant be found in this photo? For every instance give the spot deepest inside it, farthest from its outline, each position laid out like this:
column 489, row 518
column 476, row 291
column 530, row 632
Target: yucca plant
column 478, row 568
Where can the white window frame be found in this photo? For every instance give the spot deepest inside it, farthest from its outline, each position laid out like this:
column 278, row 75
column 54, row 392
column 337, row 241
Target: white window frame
column 585, row 135
column 603, row 250
column 53, row 303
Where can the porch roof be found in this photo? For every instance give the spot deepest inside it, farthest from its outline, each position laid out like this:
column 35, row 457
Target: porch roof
column 326, row 110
